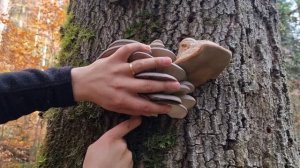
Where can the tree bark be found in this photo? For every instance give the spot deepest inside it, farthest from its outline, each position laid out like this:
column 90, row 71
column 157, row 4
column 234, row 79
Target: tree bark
column 242, row 119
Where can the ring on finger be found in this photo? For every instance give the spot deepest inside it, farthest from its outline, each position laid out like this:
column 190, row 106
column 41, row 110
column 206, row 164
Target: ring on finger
column 131, row 69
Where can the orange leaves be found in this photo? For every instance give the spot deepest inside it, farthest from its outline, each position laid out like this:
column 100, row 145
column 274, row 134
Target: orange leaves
column 22, row 135
column 31, row 37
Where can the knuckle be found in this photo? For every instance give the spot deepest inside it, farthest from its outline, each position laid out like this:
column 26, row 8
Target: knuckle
column 157, row 61
column 138, row 65
column 130, row 156
column 117, row 84
column 123, row 145
column 168, row 86
column 153, row 61
column 146, row 108
column 90, row 147
column 117, row 101
column 127, row 47
column 149, row 87
column 130, row 47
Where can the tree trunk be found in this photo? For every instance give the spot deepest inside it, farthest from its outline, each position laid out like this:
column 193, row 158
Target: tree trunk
column 242, row 119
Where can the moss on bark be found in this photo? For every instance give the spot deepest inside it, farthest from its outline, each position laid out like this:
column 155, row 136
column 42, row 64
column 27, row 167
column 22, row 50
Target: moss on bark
column 150, row 142
column 73, row 35
column 88, row 117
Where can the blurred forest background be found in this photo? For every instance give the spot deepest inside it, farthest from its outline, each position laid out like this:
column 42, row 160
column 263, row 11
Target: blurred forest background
column 29, row 39
column 29, row 35
column 289, row 12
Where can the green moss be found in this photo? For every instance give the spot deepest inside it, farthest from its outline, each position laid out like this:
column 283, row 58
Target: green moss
column 160, row 141
column 40, row 160
column 145, row 28
column 51, row 113
column 156, row 146
column 72, row 37
column 77, row 112
column 150, row 142
column 66, row 129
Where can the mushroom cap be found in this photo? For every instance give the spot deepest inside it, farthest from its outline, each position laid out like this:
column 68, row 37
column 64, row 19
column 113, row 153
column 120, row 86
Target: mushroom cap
column 202, row 60
column 174, row 70
column 188, row 101
column 178, row 111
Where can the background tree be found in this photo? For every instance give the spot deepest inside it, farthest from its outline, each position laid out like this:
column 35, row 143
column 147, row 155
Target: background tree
column 290, row 33
column 242, row 119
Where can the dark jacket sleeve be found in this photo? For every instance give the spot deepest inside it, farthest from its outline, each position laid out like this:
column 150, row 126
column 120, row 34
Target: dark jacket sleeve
column 34, row 90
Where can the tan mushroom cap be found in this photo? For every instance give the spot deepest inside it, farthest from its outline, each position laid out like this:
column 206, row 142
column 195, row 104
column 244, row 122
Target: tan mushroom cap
column 177, row 111
column 121, row 42
column 174, row 70
column 183, row 90
column 202, row 60
column 157, row 43
column 162, row 52
column 188, row 84
column 109, row 51
column 188, row 101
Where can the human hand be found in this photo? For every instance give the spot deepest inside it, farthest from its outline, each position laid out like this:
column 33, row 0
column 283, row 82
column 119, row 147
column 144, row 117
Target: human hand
column 109, row 82
column 110, row 150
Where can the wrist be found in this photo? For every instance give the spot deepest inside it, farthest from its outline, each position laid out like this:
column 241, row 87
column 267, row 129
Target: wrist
column 77, row 75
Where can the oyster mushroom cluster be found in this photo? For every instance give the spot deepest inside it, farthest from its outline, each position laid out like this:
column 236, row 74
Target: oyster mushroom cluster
column 197, row 62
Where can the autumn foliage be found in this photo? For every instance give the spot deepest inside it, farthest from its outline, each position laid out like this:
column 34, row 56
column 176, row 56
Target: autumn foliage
column 30, row 39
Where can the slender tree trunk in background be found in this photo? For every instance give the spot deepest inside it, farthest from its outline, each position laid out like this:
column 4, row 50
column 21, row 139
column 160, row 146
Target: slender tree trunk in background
column 2, row 132
column 242, row 119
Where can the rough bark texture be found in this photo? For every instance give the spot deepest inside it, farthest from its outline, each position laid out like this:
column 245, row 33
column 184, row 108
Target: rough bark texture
column 242, row 119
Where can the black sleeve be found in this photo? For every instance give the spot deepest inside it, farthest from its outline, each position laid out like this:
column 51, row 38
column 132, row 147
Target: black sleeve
column 31, row 90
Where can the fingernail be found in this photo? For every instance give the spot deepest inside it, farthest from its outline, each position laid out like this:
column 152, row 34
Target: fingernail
column 165, row 60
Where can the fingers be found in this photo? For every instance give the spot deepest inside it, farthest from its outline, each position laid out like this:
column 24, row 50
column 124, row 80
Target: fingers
column 150, row 64
column 152, row 86
column 125, row 51
column 124, row 128
column 141, row 106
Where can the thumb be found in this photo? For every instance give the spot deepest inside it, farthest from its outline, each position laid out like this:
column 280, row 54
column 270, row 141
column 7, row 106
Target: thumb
column 120, row 130
column 125, row 51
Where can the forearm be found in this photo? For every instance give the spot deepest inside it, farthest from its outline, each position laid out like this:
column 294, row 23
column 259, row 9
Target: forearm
column 30, row 90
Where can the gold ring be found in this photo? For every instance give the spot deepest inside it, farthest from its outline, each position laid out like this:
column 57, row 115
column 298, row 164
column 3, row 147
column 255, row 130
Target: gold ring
column 131, row 69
